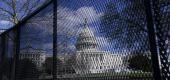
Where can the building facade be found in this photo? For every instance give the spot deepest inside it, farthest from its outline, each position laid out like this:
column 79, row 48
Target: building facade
column 37, row 56
column 89, row 59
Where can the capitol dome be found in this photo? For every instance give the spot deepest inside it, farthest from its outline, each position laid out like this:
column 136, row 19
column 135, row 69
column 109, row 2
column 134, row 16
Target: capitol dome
column 86, row 32
column 89, row 59
column 86, row 39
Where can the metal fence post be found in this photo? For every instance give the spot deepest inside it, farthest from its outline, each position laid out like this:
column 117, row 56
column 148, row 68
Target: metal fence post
column 152, row 40
column 2, row 54
column 17, row 45
column 54, row 39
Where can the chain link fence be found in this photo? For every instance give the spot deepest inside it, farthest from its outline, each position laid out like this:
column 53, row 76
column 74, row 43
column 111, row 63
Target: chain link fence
column 89, row 40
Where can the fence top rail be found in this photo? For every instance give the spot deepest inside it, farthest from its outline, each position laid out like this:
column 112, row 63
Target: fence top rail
column 25, row 19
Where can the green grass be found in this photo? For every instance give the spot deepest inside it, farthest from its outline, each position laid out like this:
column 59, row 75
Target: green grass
column 114, row 74
column 118, row 74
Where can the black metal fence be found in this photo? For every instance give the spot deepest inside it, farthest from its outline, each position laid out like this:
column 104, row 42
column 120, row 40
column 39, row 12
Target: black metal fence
column 27, row 47
column 89, row 40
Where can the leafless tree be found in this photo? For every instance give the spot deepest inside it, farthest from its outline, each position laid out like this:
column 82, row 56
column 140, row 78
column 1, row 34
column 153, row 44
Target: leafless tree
column 16, row 10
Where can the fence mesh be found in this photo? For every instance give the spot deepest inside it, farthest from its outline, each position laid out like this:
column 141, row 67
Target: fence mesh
column 103, row 39
column 96, row 40
column 162, row 13
column 35, row 57
column 8, row 47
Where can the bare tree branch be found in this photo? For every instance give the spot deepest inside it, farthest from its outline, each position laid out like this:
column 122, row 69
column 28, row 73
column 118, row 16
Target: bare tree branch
column 4, row 15
column 7, row 3
column 18, row 9
column 2, row 9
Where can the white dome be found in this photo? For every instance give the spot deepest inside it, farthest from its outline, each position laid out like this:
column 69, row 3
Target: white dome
column 86, row 32
column 86, row 39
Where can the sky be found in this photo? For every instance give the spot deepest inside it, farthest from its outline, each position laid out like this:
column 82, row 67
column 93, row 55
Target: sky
column 71, row 15
column 4, row 24
column 70, row 19
column 37, row 32
column 5, row 21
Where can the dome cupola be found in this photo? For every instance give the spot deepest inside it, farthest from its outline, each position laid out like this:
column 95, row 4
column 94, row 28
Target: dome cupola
column 86, row 38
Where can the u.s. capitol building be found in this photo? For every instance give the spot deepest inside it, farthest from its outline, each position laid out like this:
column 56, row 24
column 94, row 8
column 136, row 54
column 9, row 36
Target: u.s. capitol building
column 37, row 56
column 89, row 59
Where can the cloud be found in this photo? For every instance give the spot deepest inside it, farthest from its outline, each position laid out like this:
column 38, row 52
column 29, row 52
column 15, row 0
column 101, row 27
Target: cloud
column 5, row 24
column 48, row 45
column 70, row 21
column 103, row 43
column 89, row 13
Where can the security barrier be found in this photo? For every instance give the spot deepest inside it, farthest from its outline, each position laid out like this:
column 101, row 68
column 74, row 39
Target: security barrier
column 89, row 40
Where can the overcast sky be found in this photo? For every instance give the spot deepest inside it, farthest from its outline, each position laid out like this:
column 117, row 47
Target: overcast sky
column 71, row 16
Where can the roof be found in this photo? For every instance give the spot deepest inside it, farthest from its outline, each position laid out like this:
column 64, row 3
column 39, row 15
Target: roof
column 31, row 49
